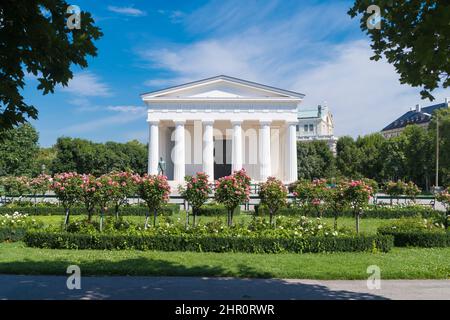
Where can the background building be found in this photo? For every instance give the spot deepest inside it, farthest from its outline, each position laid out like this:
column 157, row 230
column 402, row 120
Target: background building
column 418, row 115
column 316, row 124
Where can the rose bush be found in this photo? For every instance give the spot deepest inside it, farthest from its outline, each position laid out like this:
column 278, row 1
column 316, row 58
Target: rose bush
column 273, row 194
column 155, row 191
column 196, row 192
column 67, row 189
column 233, row 190
column 358, row 194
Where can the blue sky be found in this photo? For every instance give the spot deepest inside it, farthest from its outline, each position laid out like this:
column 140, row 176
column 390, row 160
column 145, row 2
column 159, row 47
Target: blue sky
column 311, row 47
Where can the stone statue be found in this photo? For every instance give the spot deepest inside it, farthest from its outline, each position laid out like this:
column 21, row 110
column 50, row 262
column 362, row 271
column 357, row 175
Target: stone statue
column 161, row 166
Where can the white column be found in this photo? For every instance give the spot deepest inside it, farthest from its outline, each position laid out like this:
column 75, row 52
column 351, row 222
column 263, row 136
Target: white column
column 153, row 147
column 291, row 161
column 178, row 153
column 236, row 153
column 208, row 149
column 264, row 150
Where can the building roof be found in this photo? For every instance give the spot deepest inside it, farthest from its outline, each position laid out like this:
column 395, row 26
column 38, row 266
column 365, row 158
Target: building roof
column 415, row 116
column 307, row 114
column 227, row 79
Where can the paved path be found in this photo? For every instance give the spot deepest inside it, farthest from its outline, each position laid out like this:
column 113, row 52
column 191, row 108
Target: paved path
column 54, row 287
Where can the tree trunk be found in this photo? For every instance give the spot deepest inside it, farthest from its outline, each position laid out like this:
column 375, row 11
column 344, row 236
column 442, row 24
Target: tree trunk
column 357, row 222
column 89, row 211
column 66, row 219
column 155, row 213
column 271, row 217
column 101, row 219
column 146, row 219
column 335, row 222
column 447, row 214
column 194, row 213
column 229, row 221
column 116, row 210
column 187, row 219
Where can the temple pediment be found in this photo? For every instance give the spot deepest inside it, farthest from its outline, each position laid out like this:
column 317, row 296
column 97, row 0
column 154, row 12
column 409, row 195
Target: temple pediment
column 222, row 87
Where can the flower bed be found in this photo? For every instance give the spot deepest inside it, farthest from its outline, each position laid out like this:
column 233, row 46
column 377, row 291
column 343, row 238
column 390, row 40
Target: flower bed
column 14, row 226
column 417, row 233
column 211, row 243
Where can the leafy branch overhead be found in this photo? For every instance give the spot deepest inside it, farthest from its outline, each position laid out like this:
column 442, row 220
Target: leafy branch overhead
column 35, row 40
column 414, row 36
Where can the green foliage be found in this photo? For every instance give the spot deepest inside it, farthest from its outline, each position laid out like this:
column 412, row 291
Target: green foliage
column 414, row 37
column 209, row 243
column 273, row 194
column 314, row 160
column 211, row 209
column 18, row 148
column 37, row 40
column 44, row 209
column 417, row 233
column 14, row 226
column 232, row 190
column 196, row 192
column 84, row 156
column 348, row 157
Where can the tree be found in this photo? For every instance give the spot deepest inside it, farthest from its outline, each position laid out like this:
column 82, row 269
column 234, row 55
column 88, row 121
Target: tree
column 273, row 194
column 36, row 39
column 67, row 189
column 393, row 159
column 358, row 194
column 196, row 192
column 18, row 150
column 370, row 162
column 231, row 191
column 336, row 200
column 348, row 157
column 155, row 191
column 314, row 160
column 414, row 36
column 443, row 115
column 418, row 150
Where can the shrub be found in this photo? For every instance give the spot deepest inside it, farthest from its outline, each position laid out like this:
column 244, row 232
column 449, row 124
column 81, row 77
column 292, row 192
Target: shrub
column 154, row 190
column 213, row 209
column 188, row 242
column 196, row 192
column 67, row 189
column 44, row 209
column 416, row 233
column 273, row 195
column 232, row 190
column 13, row 227
column 444, row 197
column 357, row 193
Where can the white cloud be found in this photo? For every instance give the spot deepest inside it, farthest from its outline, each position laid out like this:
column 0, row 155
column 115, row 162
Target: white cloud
column 121, row 114
column 128, row 11
column 87, row 84
column 298, row 53
column 127, row 109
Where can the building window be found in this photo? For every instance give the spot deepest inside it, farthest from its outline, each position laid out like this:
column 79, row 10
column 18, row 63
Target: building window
column 311, row 127
column 305, row 128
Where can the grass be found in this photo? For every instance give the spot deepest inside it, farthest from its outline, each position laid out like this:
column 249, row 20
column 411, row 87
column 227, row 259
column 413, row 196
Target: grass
column 367, row 225
column 400, row 263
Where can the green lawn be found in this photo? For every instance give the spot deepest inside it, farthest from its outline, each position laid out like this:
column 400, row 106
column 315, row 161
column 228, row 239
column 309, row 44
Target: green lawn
column 400, row 263
column 366, row 225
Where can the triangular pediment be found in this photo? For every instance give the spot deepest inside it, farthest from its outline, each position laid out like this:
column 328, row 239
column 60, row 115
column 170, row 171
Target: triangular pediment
column 222, row 87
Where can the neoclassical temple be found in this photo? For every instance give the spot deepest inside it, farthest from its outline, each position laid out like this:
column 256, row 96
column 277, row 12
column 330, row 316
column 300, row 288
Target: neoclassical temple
column 221, row 124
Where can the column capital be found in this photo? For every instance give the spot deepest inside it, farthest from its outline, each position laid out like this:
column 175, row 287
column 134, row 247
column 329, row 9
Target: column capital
column 291, row 122
column 236, row 122
column 153, row 122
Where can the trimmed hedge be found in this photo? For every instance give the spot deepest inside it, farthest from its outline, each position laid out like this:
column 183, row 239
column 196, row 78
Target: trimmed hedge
column 425, row 239
column 216, row 210
column 12, row 234
column 64, row 240
column 375, row 212
column 133, row 210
